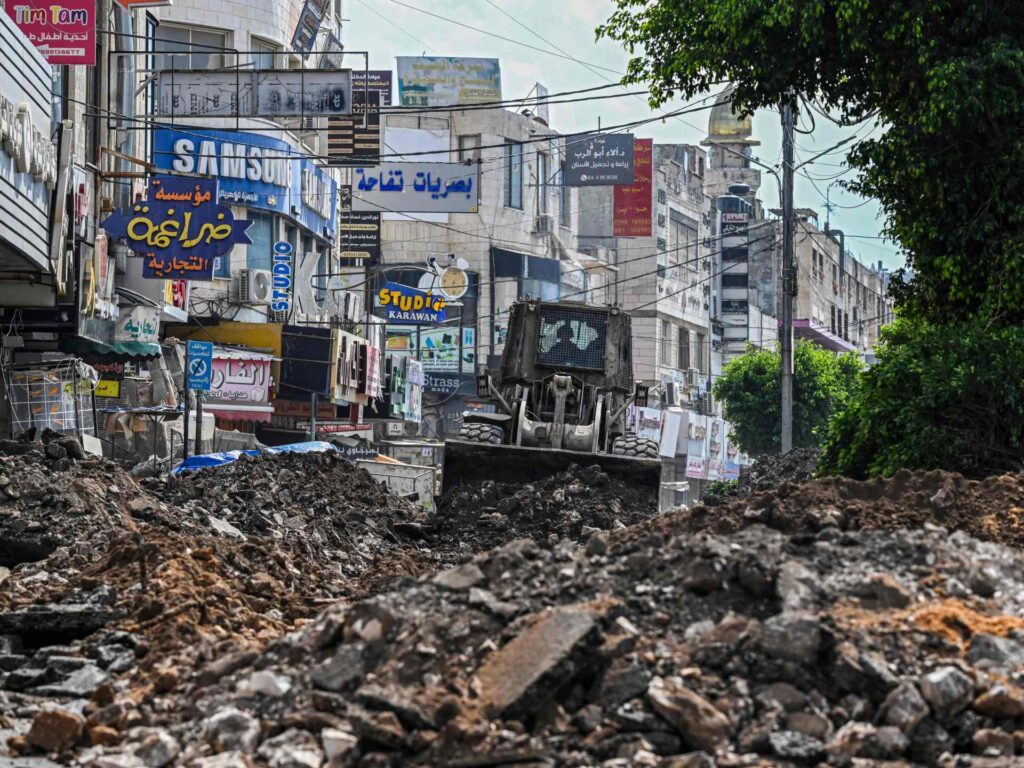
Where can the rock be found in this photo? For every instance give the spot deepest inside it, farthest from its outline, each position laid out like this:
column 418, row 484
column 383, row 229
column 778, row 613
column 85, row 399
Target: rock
column 862, row 673
column 157, row 749
column 225, row 665
column 381, row 728
column 991, row 742
column 292, row 749
column 403, row 702
column 928, row 742
column 904, row 707
column 166, row 680
column 231, row 729
column 344, row 670
column 54, row 451
column 520, row 675
column 460, row 577
column 791, row 745
column 796, row 586
column 691, row 760
column 812, row 724
column 55, row 730
column 947, row 690
column 337, row 743
column 787, row 696
column 1001, row 701
column 233, row 759
column 487, row 599
column 103, row 736
column 622, row 681
column 696, row 719
column 269, row 683
column 80, row 684
column 849, row 742
column 887, row 743
column 999, row 651
column 880, row 590
column 790, row 636
column 222, row 526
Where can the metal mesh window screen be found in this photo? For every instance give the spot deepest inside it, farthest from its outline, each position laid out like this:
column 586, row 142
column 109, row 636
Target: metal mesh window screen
column 572, row 338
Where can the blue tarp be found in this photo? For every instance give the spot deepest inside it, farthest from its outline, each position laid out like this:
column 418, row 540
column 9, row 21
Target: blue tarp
column 226, row 457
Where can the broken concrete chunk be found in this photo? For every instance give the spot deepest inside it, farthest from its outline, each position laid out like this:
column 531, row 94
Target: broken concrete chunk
column 1001, row 701
column 460, row 577
column 696, row 719
column 904, row 707
column 523, row 673
column 880, row 590
column 231, row 729
column 792, row 636
column 344, row 670
column 269, row 683
column 292, row 749
column 337, row 743
column 81, row 683
column 157, row 749
column 947, row 690
column 998, row 651
column 222, row 526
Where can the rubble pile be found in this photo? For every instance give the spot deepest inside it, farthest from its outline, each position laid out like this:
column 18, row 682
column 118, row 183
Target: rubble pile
column 769, row 472
column 315, row 505
column 991, row 509
column 572, row 504
column 650, row 646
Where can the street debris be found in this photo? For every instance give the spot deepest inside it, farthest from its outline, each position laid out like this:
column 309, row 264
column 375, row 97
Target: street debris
column 828, row 622
column 769, row 472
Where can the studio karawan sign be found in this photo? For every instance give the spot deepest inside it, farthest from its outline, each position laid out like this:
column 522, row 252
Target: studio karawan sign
column 179, row 229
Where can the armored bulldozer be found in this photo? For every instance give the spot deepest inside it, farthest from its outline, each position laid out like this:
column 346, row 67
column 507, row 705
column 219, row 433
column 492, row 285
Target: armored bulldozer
column 560, row 395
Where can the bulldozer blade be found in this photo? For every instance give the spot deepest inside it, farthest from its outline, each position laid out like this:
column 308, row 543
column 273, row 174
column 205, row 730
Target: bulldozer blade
column 467, row 463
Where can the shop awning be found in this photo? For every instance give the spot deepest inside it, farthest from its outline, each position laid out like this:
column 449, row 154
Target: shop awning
column 111, row 351
column 235, row 412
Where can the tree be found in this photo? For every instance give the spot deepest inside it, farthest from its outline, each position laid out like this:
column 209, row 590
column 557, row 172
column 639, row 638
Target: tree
column 944, row 77
column 750, row 390
column 940, row 397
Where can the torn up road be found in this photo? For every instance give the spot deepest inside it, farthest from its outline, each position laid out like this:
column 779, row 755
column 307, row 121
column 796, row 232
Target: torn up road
column 857, row 631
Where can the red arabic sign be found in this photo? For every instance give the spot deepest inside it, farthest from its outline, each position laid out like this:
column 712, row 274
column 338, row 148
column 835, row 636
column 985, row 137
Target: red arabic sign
column 632, row 217
column 63, row 31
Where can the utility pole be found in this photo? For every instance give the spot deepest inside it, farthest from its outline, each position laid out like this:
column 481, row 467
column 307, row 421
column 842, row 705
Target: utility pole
column 788, row 276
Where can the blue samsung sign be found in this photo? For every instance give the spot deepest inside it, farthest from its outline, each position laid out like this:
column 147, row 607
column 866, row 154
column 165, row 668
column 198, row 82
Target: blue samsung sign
column 254, row 171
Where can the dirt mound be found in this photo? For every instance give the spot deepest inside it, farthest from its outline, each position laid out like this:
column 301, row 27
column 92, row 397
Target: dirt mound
column 571, row 504
column 768, row 472
column 704, row 649
column 990, row 509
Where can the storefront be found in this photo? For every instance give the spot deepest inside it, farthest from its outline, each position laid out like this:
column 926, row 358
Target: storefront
column 267, row 181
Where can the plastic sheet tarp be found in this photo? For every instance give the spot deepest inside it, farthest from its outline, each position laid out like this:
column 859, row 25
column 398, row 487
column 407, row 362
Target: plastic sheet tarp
column 226, row 457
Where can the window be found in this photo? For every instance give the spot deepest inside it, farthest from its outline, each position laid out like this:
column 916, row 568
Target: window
column 662, row 195
column 682, row 236
column 564, row 199
column 666, row 343
column 734, row 281
column 684, row 349
column 542, row 183
column 188, row 48
column 261, row 232
column 699, row 356
column 263, row 54
column 514, row 174
column 572, row 338
column 832, row 324
column 469, row 147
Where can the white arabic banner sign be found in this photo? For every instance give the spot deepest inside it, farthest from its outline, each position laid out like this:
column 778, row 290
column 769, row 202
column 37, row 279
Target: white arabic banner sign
column 599, row 159
column 253, row 93
column 416, row 188
column 236, row 383
column 138, row 324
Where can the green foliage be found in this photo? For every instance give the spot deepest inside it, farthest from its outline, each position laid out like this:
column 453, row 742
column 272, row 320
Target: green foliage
column 750, row 389
column 719, row 487
column 940, row 397
column 944, row 77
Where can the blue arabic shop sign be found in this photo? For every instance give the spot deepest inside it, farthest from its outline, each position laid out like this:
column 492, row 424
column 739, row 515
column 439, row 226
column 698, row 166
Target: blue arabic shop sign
column 405, row 305
column 254, row 171
column 179, row 229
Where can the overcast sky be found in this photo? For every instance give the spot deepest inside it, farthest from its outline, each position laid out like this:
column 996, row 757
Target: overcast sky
column 389, row 28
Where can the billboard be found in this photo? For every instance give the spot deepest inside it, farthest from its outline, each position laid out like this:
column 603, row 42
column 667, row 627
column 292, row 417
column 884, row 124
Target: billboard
column 633, row 202
column 406, row 305
column 416, row 188
column 355, row 140
column 360, row 236
column 599, row 159
column 63, row 31
column 442, row 81
column 253, row 93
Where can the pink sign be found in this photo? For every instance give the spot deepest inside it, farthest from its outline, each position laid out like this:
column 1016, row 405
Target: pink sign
column 239, row 382
column 63, row 31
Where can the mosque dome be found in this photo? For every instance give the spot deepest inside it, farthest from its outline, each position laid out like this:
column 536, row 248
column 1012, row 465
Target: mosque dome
column 726, row 127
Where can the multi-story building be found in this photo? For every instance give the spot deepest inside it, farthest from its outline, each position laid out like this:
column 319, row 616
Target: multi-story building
column 841, row 302
column 522, row 241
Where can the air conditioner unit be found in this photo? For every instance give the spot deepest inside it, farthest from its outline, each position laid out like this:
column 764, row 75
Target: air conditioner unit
column 543, row 224
column 692, row 377
column 395, row 429
column 254, row 286
column 671, row 393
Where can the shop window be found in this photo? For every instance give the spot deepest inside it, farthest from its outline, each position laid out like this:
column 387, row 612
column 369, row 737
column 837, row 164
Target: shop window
column 258, row 255
column 513, row 174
